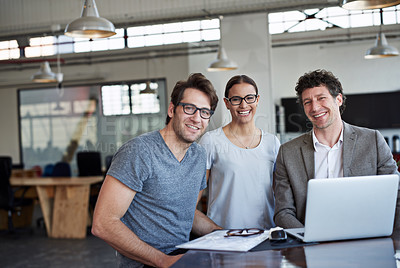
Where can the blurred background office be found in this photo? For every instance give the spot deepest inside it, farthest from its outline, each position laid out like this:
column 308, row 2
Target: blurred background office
column 79, row 78
column 108, row 90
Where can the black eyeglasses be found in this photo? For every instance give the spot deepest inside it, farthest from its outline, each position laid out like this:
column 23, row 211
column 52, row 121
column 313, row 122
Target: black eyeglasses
column 249, row 99
column 191, row 109
column 244, row 232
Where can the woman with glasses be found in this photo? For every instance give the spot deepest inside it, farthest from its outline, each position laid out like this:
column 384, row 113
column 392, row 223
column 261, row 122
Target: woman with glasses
column 240, row 162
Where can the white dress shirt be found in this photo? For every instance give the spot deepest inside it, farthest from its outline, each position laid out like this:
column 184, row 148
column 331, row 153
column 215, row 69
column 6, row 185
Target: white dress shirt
column 328, row 161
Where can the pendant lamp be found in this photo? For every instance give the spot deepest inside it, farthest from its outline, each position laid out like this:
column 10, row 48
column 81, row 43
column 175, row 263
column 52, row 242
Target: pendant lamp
column 222, row 63
column 148, row 89
column 367, row 4
column 381, row 48
column 44, row 75
column 90, row 24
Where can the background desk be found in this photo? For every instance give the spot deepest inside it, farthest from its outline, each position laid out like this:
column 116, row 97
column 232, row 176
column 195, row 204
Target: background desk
column 64, row 202
column 374, row 252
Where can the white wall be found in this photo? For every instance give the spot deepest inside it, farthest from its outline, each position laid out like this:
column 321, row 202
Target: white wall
column 9, row 124
column 345, row 60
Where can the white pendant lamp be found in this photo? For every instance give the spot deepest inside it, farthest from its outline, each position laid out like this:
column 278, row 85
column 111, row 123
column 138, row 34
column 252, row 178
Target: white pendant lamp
column 44, row 75
column 222, row 63
column 90, row 24
column 381, row 48
column 367, row 4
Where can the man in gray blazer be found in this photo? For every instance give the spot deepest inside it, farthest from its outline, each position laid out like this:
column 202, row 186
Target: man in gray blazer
column 331, row 149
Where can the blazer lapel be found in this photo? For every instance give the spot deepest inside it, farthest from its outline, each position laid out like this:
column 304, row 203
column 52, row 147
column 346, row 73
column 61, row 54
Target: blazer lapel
column 307, row 152
column 349, row 143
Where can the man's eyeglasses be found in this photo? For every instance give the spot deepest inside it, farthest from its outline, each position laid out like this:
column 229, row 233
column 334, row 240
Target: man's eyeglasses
column 249, row 99
column 191, row 109
column 244, row 232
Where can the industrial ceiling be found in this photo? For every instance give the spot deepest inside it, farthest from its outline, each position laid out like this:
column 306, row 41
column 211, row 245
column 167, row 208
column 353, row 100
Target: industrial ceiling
column 39, row 17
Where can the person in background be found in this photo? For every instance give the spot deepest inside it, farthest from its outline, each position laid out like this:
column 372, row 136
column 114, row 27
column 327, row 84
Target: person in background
column 331, row 149
column 240, row 162
column 147, row 204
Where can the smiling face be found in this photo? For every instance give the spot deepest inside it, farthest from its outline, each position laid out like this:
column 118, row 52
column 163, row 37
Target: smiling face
column 188, row 128
column 321, row 108
column 244, row 112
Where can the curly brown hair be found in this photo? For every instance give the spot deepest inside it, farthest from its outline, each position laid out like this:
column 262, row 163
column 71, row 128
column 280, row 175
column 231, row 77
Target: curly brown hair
column 318, row 78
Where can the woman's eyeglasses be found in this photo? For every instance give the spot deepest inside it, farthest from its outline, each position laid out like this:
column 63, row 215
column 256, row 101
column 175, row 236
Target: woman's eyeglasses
column 249, row 99
column 244, row 232
column 191, row 109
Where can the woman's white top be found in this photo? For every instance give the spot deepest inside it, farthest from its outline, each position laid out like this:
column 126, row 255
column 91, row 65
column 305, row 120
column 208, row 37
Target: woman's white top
column 240, row 182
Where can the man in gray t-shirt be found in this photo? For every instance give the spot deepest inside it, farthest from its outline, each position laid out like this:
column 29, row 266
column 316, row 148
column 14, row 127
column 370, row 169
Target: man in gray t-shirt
column 147, row 204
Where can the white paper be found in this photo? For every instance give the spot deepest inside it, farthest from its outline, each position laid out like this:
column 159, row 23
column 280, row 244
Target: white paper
column 217, row 241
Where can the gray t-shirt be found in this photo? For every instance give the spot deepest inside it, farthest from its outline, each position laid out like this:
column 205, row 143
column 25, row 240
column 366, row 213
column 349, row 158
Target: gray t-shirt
column 162, row 212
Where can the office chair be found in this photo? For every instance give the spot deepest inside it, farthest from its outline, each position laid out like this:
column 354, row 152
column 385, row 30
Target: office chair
column 38, row 170
column 89, row 163
column 7, row 200
column 48, row 170
column 61, row 169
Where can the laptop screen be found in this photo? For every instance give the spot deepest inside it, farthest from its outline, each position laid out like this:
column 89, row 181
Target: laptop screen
column 351, row 207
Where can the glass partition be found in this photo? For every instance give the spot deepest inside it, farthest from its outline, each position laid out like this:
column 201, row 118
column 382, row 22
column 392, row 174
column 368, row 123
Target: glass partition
column 55, row 123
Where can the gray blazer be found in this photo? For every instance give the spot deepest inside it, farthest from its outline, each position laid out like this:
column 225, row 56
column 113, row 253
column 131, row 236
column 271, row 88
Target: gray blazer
column 365, row 152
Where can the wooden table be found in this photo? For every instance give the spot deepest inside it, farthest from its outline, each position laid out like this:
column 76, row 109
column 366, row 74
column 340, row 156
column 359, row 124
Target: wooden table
column 374, row 252
column 64, row 202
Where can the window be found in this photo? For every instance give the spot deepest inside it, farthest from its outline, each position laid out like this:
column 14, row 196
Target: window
column 51, row 45
column 172, row 33
column 65, row 44
column 116, row 41
column 144, row 103
column 41, row 46
column 127, row 99
column 320, row 19
column 9, row 50
column 115, row 100
column 141, row 36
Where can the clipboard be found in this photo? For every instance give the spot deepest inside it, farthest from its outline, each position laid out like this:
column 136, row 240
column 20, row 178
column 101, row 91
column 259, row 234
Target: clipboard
column 218, row 241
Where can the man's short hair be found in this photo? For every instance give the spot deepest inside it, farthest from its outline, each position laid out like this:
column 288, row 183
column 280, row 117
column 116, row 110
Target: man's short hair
column 320, row 78
column 197, row 81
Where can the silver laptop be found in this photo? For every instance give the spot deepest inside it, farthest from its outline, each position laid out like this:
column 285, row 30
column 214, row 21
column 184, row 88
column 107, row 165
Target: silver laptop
column 349, row 208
